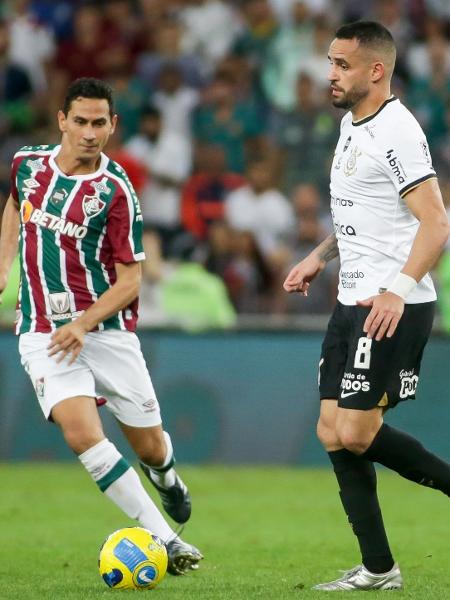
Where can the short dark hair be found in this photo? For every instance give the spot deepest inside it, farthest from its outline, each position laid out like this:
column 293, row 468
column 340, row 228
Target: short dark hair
column 368, row 33
column 88, row 87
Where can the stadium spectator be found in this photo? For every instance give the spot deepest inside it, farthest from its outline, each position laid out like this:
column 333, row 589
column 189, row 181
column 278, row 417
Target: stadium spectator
column 131, row 93
column 135, row 169
column 252, row 44
column 221, row 119
column 292, row 45
column 204, row 194
column 78, row 311
column 209, row 29
column 17, row 109
column 261, row 209
column 164, row 47
column 376, row 336
column 311, row 229
column 167, row 157
column 84, row 54
column 175, row 100
column 303, row 138
column 429, row 95
column 32, row 44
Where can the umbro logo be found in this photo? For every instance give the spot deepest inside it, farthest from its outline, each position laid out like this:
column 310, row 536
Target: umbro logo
column 150, row 405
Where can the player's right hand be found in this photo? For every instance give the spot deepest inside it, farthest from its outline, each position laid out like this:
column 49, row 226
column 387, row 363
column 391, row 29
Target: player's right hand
column 302, row 274
column 67, row 340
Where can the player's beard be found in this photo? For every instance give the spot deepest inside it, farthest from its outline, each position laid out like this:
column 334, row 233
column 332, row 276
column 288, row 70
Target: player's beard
column 349, row 99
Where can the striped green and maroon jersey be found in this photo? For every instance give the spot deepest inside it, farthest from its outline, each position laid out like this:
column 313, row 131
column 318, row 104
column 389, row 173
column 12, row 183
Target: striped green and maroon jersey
column 73, row 231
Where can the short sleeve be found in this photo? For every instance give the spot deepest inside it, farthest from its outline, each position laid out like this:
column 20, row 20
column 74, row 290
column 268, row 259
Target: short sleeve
column 124, row 227
column 14, row 191
column 407, row 158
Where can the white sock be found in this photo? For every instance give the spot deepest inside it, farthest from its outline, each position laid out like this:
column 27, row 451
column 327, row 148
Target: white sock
column 122, row 485
column 165, row 474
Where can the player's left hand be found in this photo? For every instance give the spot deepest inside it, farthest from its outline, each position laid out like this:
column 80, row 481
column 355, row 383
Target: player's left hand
column 67, row 340
column 387, row 310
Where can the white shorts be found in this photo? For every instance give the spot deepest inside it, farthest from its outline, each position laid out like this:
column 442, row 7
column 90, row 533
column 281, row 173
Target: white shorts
column 110, row 365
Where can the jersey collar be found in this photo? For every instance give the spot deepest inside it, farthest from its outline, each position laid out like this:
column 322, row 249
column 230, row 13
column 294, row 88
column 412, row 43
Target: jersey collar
column 370, row 117
column 103, row 162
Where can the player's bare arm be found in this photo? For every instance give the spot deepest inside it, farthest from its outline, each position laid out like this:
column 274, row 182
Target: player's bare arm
column 8, row 241
column 306, row 270
column 425, row 202
column 69, row 339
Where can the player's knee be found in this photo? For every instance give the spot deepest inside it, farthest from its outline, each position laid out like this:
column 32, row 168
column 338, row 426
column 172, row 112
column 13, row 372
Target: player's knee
column 152, row 453
column 327, row 434
column 353, row 440
column 80, row 438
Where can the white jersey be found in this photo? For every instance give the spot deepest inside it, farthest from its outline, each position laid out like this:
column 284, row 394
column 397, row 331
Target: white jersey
column 378, row 160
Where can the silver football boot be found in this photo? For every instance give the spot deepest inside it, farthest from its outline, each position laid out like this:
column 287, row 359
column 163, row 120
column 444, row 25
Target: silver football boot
column 359, row 578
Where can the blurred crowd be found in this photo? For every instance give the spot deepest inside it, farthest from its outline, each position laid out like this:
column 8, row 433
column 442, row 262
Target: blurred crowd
column 226, row 129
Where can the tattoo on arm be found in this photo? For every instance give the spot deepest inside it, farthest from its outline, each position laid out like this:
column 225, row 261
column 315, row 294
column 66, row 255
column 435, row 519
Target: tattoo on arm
column 328, row 249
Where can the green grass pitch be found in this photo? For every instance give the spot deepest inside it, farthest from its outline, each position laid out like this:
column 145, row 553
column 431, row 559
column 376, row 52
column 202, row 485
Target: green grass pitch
column 266, row 533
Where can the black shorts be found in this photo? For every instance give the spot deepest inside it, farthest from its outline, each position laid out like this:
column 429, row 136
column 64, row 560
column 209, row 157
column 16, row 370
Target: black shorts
column 362, row 373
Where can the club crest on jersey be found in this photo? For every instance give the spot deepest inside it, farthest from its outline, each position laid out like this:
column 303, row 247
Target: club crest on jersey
column 92, row 206
column 350, row 167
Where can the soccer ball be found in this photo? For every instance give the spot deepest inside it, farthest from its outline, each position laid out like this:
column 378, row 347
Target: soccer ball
column 132, row 558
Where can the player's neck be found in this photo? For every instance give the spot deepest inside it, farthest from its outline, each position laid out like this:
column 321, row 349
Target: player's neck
column 70, row 165
column 369, row 106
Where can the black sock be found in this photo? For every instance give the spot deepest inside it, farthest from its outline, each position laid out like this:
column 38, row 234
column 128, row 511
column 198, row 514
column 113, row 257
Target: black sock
column 403, row 453
column 357, row 481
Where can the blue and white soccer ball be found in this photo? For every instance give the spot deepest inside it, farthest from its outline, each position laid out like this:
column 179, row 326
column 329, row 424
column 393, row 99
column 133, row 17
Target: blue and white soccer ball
column 132, row 558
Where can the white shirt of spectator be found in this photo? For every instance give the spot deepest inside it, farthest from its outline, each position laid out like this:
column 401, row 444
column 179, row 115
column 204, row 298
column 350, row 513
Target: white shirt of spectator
column 170, row 156
column 210, row 29
column 31, row 47
column 377, row 161
column 176, row 109
column 269, row 216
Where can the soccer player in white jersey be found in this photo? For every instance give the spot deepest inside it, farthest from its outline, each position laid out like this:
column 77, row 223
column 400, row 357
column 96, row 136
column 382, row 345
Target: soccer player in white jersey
column 80, row 248
column 390, row 227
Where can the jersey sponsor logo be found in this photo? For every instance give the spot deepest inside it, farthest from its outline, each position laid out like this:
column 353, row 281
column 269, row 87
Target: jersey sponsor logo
column 352, row 384
column 348, row 278
column 353, row 274
column 336, row 201
column 350, row 167
column 409, row 383
column 343, row 229
column 29, row 214
column 92, row 206
column 59, row 302
column 396, row 166
column 60, row 306
column 59, row 196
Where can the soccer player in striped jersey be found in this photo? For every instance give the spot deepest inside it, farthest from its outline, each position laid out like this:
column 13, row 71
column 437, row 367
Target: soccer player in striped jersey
column 80, row 247
column 390, row 227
